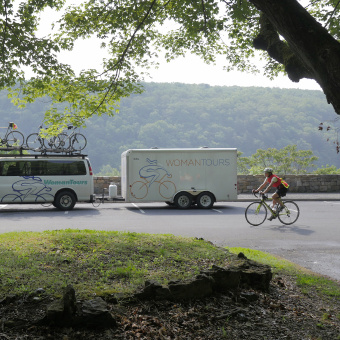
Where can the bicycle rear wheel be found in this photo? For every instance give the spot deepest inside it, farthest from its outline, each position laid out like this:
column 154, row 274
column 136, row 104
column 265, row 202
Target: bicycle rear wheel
column 290, row 213
column 256, row 213
column 78, row 142
column 15, row 138
column 98, row 201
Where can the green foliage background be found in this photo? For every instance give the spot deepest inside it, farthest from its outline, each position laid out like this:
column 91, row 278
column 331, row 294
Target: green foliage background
column 176, row 115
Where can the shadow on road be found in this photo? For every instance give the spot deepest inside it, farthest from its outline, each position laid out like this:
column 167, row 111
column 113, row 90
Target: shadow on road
column 295, row 228
column 47, row 212
column 194, row 210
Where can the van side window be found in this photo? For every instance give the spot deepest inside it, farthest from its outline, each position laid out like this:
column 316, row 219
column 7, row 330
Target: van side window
column 12, row 169
column 57, row 168
column 42, row 168
column 64, row 168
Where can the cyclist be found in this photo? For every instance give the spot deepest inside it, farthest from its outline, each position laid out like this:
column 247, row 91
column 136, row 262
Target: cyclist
column 276, row 182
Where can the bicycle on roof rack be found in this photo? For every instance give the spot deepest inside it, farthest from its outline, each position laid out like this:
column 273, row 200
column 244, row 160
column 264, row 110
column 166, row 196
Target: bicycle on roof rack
column 256, row 212
column 36, row 142
column 74, row 141
column 12, row 138
column 62, row 143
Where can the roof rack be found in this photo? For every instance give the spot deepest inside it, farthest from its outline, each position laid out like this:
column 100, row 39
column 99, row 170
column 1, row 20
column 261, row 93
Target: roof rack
column 42, row 156
column 43, row 153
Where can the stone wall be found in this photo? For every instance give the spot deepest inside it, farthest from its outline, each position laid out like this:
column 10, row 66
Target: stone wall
column 297, row 183
column 103, row 182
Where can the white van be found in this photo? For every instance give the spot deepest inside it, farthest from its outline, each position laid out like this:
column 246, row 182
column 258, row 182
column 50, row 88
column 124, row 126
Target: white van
column 62, row 180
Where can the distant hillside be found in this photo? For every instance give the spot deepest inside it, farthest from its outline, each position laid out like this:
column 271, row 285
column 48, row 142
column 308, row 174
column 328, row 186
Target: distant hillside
column 183, row 115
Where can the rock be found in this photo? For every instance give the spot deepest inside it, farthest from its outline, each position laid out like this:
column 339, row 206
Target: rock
column 69, row 300
column 200, row 287
column 62, row 312
column 153, row 290
column 55, row 313
column 90, row 314
column 241, row 256
column 224, row 279
column 95, row 314
column 254, row 275
column 247, row 273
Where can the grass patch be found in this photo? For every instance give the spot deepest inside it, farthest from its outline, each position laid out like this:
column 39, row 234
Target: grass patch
column 99, row 262
column 305, row 279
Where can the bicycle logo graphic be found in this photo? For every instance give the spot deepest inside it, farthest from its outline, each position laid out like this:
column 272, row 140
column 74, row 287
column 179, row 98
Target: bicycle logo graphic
column 29, row 186
column 150, row 174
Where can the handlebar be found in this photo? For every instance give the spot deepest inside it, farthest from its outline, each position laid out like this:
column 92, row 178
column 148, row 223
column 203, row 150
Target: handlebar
column 263, row 196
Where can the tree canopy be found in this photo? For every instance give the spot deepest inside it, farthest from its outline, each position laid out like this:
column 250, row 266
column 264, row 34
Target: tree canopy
column 288, row 160
column 300, row 41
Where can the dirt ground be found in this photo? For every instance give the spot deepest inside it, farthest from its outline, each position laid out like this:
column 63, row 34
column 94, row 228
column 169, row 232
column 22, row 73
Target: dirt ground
column 283, row 312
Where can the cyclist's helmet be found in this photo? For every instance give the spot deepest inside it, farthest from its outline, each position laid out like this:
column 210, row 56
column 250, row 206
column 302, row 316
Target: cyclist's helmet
column 268, row 170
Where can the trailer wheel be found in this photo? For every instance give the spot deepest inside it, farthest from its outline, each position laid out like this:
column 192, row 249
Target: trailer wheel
column 205, row 200
column 65, row 200
column 183, row 200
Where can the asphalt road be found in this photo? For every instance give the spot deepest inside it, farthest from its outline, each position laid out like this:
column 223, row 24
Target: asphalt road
column 312, row 242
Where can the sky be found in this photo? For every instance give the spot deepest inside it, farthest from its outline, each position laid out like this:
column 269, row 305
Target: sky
column 192, row 70
column 189, row 69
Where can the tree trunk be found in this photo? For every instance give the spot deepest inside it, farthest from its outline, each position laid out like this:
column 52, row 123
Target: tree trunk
column 315, row 48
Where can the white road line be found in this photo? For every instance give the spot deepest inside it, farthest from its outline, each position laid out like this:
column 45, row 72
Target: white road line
column 219, row 211
column 3, row 206
column 141, row 210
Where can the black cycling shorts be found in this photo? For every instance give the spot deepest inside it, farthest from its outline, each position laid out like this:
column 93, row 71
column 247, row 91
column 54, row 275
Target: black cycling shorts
column 282, row 191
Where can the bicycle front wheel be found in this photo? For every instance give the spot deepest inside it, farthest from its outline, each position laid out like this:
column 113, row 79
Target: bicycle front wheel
column 290, row 213
column 15, row 138
column 34, row 141
column 78, row 142
column 256, row 213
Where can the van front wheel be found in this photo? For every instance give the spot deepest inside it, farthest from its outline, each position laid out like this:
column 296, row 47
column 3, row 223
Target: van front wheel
column 65, row 200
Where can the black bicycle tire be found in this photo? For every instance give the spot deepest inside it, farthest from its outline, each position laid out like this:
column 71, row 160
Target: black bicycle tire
column 97, row 202
column 13, row 133
column 298, row 214
column 41, row 140
column 74, row 137
column 248, row 210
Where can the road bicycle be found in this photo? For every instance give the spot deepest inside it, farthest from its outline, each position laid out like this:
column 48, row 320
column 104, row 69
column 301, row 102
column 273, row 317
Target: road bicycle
column 35, row 142
column 12, row 138
column 72, row 142
column 99, row 199
column 256, row 212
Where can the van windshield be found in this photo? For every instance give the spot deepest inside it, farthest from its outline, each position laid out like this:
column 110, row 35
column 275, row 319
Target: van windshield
column 42, row 168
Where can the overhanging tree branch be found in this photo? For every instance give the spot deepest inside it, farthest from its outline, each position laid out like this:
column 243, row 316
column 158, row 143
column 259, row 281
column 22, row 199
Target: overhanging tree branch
column 114, row 84
column 269, row 40
column 311, row 43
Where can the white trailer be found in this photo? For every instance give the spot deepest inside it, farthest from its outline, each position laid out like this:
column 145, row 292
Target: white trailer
column 180, row 177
